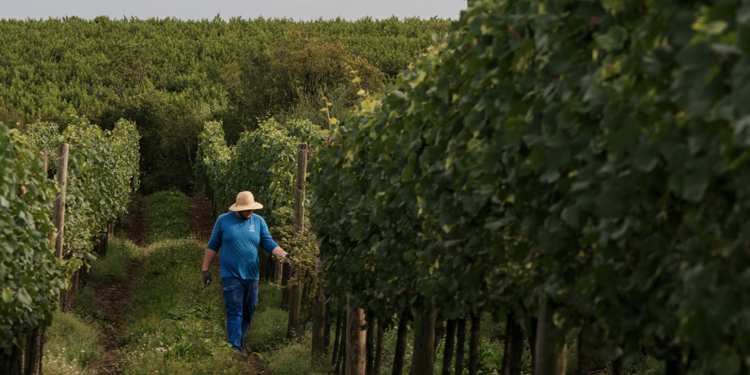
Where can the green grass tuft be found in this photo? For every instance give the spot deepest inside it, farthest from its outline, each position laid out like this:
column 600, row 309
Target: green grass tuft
column 88, row 304
column 268, row 330
column 71, row 340
column 269, row 296
column 295, row 359
column 166, row 216
column 114, row 265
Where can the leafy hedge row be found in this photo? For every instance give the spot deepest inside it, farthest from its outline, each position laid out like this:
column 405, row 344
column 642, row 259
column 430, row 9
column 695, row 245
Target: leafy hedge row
column 102, row 171
column 264, row 162
column 593, row 154
column 30, row 275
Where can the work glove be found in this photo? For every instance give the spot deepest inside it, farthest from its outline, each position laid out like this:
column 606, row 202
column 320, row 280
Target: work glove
column 206, row 277
column 288, row 256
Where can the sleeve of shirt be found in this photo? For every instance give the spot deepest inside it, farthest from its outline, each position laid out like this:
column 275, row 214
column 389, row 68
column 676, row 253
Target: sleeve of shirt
column 215, row 242
column 266, row 242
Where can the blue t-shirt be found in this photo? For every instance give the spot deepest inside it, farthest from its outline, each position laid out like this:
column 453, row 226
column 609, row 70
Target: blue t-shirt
column 239, row 240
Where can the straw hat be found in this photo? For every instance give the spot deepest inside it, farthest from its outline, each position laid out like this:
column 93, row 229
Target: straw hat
column 245, row 201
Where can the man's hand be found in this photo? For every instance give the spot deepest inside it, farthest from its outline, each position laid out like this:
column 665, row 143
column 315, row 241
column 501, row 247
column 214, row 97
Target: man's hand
column 288, row 256
column 206, row 277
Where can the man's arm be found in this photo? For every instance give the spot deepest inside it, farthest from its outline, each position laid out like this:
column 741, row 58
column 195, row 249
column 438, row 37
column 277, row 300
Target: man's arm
column 207, row 259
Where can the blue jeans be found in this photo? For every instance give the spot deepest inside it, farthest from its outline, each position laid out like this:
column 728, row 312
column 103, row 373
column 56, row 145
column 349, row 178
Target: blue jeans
column 240, row 297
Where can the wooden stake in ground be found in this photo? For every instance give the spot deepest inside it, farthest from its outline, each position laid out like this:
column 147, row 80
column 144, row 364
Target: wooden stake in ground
column 355, row 341
column 460, row 343
column 379, row 346
column 549, row 358
column 45, row 163
column 401, row 333
column 62, row 180
column 450, row 341
column 513, row 347
column 299, row 231
column 584, row 352
column 319, row 323
column 338, row 336
column 474, row 344
column 423, row 358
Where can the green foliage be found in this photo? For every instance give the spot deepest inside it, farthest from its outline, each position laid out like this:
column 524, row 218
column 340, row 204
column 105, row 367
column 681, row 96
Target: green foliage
column 169, row 125
column 30, row 275
column 169, row 76
column 114, row 265
column 294, row 359
column 588, row 153
column 166, row 216
column 264, row 162
column 269, row 82
column 80, row 66
column 102, row 172
column 268, row 330
column 308, row 107
column 73, row 338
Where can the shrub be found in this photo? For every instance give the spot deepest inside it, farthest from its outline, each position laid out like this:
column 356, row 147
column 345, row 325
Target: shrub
column 268, row 330
column 72, row 339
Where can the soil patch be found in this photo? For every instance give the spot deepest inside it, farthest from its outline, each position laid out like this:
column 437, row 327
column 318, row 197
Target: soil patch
column 137, row 231
column 201, row 217
column 114, row 294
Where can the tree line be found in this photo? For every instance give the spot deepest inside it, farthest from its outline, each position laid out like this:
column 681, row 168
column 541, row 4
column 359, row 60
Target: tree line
column 170, row 76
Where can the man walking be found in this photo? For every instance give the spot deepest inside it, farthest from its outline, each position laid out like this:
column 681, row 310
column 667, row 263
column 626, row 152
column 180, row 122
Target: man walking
column 238, row 234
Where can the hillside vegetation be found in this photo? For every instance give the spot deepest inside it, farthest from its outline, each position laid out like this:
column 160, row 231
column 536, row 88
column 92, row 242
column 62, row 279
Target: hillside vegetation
column 169, row 76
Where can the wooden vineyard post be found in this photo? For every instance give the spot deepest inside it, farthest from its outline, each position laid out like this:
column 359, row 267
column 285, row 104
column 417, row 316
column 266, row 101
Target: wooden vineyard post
column 450, row 341
column 584, row 351
column 379, row 346
column 45, row 163
column 513, row 347
column 460, row 343
column 62, row 180
column 549, row 357
column 278, row 272
column 424, row 343
column 319, row 321
column 398, row 356
column 299, row 231
column 355, row 341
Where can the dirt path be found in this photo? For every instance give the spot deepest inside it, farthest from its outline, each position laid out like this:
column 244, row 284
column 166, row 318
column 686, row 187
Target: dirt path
column 113, row 294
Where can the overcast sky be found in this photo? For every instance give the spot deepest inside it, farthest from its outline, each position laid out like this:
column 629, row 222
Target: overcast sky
column 199, row 9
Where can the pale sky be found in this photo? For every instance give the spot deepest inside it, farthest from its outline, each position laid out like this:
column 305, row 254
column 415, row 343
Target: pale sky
column 247, row 9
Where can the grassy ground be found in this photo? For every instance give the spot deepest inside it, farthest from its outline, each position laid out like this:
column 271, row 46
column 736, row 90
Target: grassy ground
column 173, row 324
